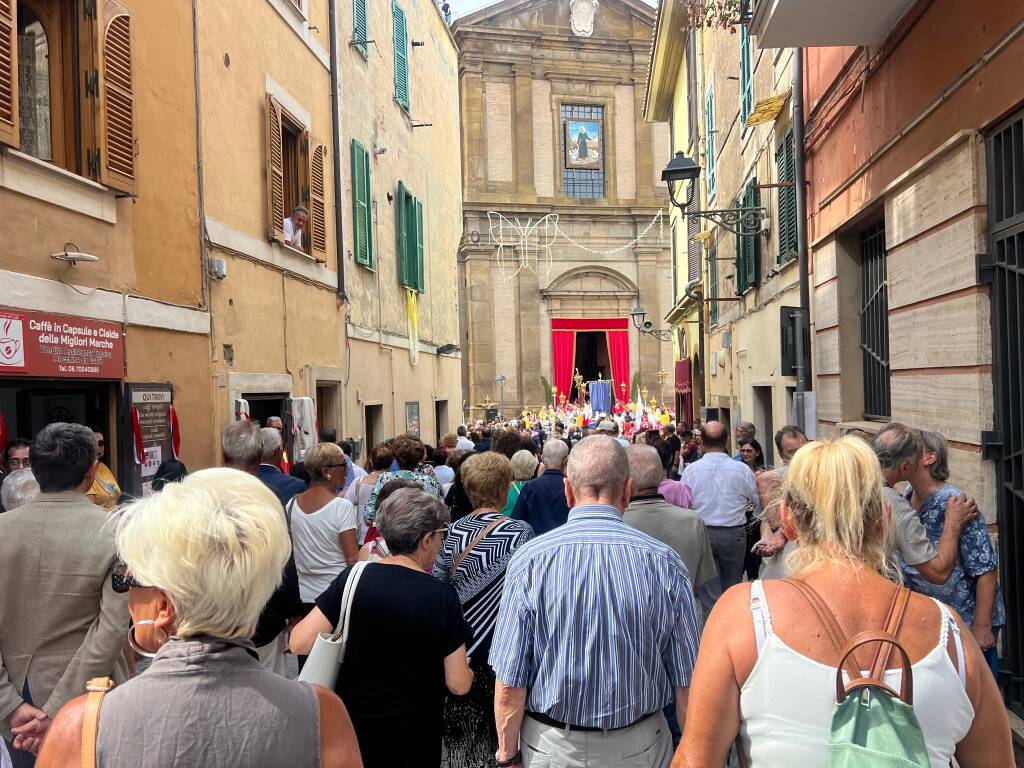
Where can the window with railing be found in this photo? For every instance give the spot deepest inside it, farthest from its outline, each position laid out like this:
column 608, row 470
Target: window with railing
column 874, row 322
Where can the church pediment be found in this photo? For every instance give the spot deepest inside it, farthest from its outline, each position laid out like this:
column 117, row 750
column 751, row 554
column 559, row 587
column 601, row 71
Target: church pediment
column 571, row 18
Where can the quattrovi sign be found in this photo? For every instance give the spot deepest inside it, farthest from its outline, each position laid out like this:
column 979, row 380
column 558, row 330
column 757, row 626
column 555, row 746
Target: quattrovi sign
column 51, row 345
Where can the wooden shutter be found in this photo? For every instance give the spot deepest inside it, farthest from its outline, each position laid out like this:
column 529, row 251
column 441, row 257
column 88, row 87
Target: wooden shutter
column 359, row 28
column 420, row 247
column 713, row 279
column 9, row 126
column 116, row 116
column 709, row 141
column 275, row 170
column 403, row 236
column 401, row 56
column 746, row 85
column 317, row 158
column 790, row 195
column 782, row 214
column 748, row 247
column 361, row 202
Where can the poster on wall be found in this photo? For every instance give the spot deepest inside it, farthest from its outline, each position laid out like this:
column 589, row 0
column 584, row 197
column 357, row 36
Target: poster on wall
column 148, row 435
column 412, row 419
column 584, row 144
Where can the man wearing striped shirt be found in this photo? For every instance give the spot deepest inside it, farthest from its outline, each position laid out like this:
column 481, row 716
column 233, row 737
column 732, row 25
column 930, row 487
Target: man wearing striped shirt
column 597, row 631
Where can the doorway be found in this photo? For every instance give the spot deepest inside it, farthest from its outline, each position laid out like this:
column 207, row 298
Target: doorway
column 263, row 405
column 764, row 423
column 373, row 425
column 591, row 357
column 440, row 420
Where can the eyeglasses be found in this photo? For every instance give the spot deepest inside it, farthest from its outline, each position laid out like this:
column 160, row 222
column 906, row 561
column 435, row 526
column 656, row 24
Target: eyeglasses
column 101, row 443
column 25, row 463
column 121, row 579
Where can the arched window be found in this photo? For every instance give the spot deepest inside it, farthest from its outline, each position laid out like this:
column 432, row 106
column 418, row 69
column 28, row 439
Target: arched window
column 34, row 84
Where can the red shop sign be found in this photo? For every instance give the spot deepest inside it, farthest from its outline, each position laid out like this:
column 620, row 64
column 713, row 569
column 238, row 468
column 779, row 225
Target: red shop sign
column 51, row 345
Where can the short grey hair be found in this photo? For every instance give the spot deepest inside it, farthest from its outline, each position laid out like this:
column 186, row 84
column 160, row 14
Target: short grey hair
column 598, row 466
column 242, row 443
column 645, row 467
column 524, row 465
column 19, row 488
column 554, row 453
column 747, row 426
column 935, row 442
column 407, row 516
column 896, row 443
column 271, row 442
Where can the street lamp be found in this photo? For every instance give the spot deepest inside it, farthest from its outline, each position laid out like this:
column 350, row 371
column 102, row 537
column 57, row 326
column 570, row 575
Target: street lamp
column 739, row 221
column 500, row 381
column 638, row 316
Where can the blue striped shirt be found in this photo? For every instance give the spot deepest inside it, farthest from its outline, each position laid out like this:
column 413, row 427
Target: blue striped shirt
column 598, row 621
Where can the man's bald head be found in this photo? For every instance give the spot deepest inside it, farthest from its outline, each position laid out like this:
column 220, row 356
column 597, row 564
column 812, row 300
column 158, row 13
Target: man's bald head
column 716, row 436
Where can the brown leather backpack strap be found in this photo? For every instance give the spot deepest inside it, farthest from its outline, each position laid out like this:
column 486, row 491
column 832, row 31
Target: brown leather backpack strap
column 97, row 688
column 476, row 541
column 906, row 692
column 893, row 621
column 831, row 624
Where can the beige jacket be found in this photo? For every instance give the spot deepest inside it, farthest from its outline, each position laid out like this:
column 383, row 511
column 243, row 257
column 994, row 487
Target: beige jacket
column 61, row 623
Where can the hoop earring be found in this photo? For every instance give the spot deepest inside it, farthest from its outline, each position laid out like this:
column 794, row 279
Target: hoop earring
column 134, row 644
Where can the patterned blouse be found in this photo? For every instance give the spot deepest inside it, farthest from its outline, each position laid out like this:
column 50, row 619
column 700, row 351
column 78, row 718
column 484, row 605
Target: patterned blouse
column 480, row 579
column 976, row 558
column 429, row 483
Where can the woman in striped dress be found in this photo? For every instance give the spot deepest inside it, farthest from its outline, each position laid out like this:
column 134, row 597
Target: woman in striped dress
column 473, row 558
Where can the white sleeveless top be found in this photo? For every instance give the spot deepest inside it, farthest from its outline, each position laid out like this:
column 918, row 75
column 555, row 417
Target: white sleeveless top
column 786, row 703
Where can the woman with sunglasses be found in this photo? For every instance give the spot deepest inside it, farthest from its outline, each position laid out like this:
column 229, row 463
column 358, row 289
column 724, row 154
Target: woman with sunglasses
column 324, row 525
column 105, row 491
column 407, row 638
column 201, row 559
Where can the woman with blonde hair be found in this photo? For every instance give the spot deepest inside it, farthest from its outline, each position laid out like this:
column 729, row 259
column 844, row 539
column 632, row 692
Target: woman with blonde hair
column 474, row 559
column 767, row 669
column 201, row 559
column 524, row 469
column 324, row 526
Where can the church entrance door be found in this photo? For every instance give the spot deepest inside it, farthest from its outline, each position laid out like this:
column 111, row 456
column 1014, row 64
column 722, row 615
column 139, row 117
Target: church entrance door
column 591, row 357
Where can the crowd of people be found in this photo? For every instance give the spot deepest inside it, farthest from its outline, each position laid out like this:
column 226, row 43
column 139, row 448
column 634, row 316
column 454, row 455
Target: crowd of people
column 518, row 595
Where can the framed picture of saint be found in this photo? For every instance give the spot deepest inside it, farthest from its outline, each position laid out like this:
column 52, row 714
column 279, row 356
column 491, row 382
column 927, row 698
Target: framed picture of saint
column 584, row 144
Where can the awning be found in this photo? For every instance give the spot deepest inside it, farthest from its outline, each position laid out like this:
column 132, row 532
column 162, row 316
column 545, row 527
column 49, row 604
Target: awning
column 766, row 110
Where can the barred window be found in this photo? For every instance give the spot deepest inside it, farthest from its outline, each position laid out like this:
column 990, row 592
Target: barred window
column 874, row 322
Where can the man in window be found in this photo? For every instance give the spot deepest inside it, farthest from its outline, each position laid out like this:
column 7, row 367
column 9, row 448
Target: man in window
column 294, row 225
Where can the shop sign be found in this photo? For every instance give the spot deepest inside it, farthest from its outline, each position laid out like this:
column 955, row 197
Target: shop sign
column 51, row 345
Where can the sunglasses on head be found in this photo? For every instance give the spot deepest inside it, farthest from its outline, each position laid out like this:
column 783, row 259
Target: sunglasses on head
column 121, row 579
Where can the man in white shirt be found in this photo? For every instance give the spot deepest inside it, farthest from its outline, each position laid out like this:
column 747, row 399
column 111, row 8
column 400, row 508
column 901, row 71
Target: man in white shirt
column 722, row 488
column 294, row 225
column 462, row 442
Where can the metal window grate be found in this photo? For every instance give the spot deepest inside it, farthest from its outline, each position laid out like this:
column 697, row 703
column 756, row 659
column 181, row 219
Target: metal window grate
column 874, row 322
column 1006, row 446
column 579, row 182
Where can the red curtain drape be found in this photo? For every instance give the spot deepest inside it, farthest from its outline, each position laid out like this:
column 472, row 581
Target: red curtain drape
column 563, row 351
column 684, row 387
column 618, row 356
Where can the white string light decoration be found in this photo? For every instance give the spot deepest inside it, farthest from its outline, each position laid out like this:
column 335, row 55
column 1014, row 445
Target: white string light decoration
column 530, row 242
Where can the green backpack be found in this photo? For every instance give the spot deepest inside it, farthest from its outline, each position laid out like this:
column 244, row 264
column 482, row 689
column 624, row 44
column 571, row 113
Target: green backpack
column 872, row 726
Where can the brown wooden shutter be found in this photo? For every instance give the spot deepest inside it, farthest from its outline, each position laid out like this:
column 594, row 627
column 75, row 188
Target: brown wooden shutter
column 317, row 195
column 9, row 133
column 275, row 171
column 116, row 118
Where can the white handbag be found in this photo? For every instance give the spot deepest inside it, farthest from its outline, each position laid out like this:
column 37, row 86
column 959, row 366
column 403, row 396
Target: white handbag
column 328, row 652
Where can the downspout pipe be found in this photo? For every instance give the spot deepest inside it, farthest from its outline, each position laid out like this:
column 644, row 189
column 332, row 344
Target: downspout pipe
column 339, row 239
column 698, row 374
column 803, row 351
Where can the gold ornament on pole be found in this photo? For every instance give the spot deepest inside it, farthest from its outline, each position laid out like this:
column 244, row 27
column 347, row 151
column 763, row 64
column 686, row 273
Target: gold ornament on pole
column 662, row 378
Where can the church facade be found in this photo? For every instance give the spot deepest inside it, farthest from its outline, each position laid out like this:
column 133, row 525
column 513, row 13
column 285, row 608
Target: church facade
column 562, row 196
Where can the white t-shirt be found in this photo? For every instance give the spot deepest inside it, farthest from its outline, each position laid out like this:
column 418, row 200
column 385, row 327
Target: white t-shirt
column 292, row 234
column 464, row 444
column 318, row 555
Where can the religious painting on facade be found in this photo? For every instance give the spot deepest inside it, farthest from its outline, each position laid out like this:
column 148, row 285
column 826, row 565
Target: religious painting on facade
column 583, row 144
column 412, row 418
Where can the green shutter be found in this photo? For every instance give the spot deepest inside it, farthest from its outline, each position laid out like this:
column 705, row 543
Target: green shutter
column 401, row 57
column 359, row 29
column 786, row 171
column 746, row 86
column 403, row 236
column 748, row 247
column 362, row 230
column 709, row 141
column 420, row 249
column 713, row 291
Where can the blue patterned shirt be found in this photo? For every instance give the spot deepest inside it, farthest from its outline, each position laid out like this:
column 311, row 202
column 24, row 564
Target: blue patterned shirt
column 976, row 558
column 598, row 621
